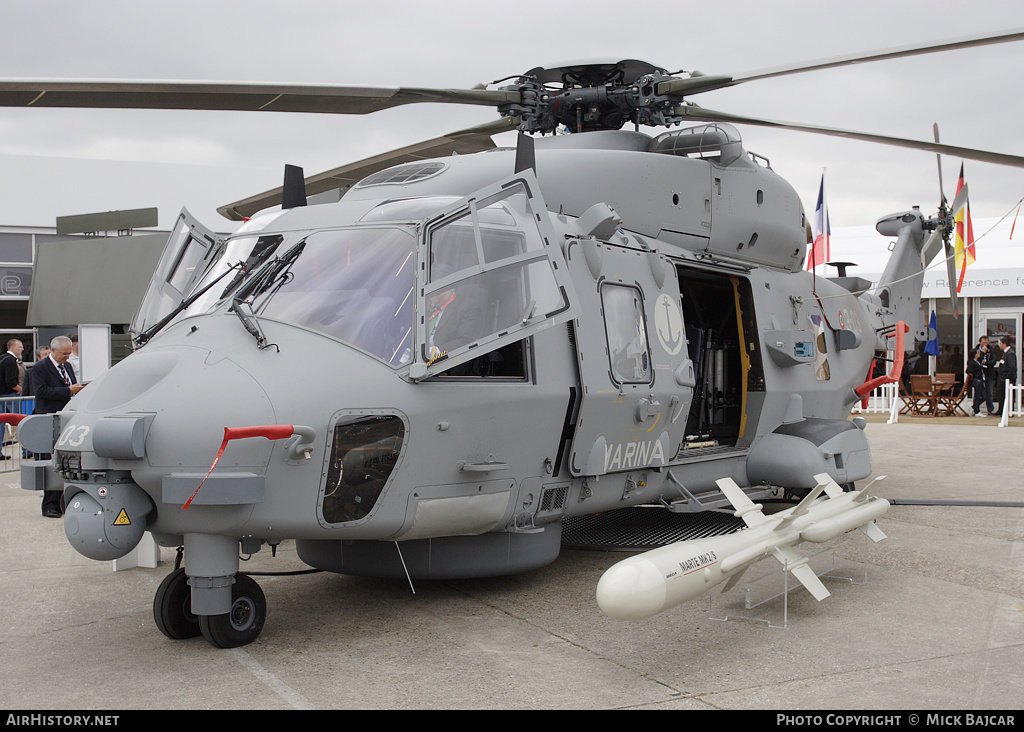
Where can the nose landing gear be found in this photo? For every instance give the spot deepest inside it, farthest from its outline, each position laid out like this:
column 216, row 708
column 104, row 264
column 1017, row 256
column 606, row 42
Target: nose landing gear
column 241, row 625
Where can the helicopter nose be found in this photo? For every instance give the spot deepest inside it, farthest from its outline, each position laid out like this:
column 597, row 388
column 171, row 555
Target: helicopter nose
column 188, row 396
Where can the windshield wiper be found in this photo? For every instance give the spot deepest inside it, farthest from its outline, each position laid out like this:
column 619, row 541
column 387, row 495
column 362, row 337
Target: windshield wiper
column 244, row 312
column 264, row 247
column 270, row 273
column 143, row 338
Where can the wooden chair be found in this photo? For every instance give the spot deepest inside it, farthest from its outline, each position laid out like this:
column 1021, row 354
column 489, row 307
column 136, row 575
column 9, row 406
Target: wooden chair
column 953, row 404
column 923, row 394
column 909, row 402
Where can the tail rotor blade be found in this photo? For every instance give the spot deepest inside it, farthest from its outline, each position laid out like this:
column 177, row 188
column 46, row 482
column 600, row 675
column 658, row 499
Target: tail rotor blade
column 961, row 198
column 951, row 276
column 938, row 159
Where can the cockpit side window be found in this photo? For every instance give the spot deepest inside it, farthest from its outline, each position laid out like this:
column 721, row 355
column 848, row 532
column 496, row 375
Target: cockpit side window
column 488, row 275
column 191, row 250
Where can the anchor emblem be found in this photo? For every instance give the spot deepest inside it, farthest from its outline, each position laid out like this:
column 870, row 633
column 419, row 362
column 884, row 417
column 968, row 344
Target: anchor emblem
column 668, row 323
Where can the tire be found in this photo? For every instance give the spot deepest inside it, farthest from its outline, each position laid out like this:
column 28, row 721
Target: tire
column 243, row 624
column 172, row 607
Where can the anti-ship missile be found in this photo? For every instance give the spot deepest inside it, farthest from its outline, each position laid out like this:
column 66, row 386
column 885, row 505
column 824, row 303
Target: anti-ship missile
column 648, row 583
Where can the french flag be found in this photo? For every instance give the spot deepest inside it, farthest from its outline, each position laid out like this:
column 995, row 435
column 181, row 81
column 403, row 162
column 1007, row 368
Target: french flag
column 821, row 231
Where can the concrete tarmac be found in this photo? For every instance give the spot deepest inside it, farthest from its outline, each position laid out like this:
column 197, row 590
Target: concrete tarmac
column 935, row 621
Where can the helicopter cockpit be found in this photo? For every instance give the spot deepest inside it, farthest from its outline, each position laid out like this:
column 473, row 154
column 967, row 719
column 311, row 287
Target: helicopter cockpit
column 483, row 262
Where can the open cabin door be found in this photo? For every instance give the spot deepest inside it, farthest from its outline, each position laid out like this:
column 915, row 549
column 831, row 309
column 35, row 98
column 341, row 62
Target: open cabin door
column 191, row 249
column 637, row 378
column 490, row 274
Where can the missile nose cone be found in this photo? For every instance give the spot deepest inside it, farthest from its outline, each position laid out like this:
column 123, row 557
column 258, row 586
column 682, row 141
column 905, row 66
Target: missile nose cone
column 633, row 589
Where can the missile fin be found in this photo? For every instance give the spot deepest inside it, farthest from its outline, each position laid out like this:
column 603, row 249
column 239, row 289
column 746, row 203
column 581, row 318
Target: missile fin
column 797, row 565
column 734, row 580
column 862, row 495
column 871, row 530
column 803, row 507
column 831, row 487
column 746, row 509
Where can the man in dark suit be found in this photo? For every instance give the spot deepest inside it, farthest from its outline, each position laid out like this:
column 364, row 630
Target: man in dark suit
column 1007, row 370
column 985, row 380
column 10, row 367
column 54, row 383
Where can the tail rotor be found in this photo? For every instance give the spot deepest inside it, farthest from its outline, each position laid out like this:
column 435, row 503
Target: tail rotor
column 945, row 228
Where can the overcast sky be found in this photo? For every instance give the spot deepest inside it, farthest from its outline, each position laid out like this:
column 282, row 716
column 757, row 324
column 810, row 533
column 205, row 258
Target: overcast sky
column 56, row 162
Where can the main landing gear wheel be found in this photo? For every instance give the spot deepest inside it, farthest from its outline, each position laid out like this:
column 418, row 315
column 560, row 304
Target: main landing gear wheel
column 172, row 607
column 242, row 625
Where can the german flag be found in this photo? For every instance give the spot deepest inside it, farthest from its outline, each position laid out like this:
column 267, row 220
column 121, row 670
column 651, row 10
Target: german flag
column 964, row 244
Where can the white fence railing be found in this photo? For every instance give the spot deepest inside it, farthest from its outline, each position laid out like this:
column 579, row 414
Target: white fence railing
column 11, row 452
column 879, row 401
column 886, row 399
column 1013, row 403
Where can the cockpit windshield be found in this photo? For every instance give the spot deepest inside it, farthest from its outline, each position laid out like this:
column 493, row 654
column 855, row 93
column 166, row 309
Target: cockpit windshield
column 351, row 284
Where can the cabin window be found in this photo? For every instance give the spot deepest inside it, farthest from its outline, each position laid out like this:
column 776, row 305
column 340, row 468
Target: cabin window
column 628, row 352
column 364, row 452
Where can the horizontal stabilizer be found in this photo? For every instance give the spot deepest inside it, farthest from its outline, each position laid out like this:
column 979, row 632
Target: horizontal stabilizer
column 745, row 508
column 797, row 565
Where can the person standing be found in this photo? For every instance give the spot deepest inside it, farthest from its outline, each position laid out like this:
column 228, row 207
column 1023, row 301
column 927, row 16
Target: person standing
column 11, row 374
column 984, row 380
column 73, row 359
column 11, row 371
column 41, row 353
column 977, row 371
column 54, row 383
column 1007, row 371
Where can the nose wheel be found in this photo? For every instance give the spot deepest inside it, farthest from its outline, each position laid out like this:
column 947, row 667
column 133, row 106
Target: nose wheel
column 172, row 607
column 172, row 611
column 244, row 622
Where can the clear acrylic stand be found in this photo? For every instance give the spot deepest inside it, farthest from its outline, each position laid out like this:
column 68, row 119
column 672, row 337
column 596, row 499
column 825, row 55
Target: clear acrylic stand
column 765, row 598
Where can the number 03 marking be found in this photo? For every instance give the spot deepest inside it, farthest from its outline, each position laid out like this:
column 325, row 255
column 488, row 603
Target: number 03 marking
column 73, row 436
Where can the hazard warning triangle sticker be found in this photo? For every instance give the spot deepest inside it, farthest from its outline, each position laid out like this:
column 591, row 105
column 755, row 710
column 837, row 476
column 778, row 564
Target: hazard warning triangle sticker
column 122, row 519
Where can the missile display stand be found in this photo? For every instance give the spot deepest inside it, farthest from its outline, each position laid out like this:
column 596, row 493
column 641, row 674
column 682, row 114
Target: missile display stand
column 765, row 596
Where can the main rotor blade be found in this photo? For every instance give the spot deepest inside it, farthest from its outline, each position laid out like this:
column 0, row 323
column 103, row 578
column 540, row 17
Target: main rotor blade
column 699, row 83
column 232, row 96
column 708, row 115
column 473, row 139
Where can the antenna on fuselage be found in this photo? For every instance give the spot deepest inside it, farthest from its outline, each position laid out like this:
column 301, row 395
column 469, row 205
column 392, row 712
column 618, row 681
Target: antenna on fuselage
column 526, row 158
column 294, row 193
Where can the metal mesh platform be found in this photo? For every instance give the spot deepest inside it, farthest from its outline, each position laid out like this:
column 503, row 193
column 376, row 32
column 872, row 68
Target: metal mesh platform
column 643, row 527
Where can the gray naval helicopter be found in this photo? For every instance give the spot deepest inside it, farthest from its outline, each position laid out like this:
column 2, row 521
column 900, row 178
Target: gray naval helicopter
column 426, row 378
